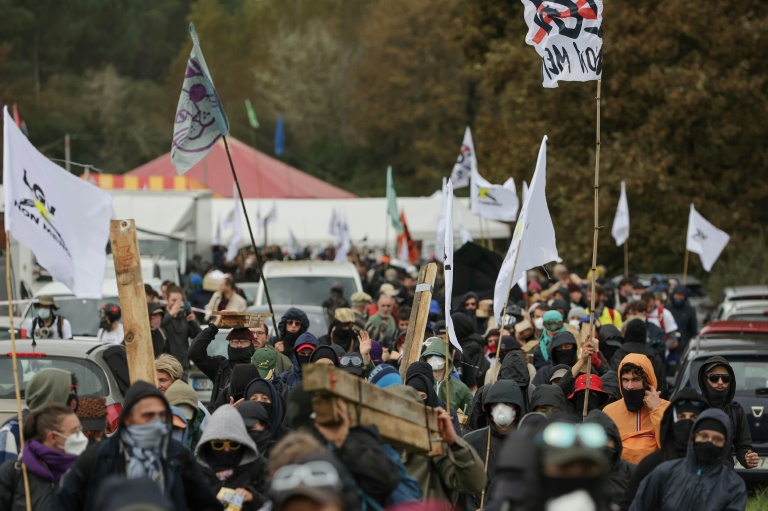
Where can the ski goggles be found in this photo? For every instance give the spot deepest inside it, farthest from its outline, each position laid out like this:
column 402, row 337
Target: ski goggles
column 553, row 325
column 220, row 445
column 315, row 474
column 714, row 378
column 563, row 435
column 351, row 360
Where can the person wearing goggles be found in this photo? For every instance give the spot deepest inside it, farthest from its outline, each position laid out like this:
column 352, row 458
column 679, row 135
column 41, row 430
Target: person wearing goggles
column 718, row 385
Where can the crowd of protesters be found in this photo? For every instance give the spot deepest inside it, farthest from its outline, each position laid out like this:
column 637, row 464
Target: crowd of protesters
column 511, row 406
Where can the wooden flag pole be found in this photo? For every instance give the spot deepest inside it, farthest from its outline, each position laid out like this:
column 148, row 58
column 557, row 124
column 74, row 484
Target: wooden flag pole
column 9, row 287
column 253, row 241
column 594, row 251
column 685, row 268
column 487, row 455
column 504, row 316
column 447, row 373
column 626, row 259
column 133, row 301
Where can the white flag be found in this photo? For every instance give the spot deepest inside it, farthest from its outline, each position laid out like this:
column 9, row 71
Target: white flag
column 440, row 228
column 343, row 240
column 236, row 226
column 533, row 242
column 464, row 234
column 271, row 216
column 63, row 219
column 620, row 229
column 494, row 202
column 294, row 249
column 404, row 254
column 704, row 239
column 333, row 226
column 569, row 38
column 448, row 264
column 525, row 191
column 466, row 161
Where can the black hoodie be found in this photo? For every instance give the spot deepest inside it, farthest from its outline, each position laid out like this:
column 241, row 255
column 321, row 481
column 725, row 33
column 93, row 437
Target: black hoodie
column 685, row 316
column 621, row 471
column 742, row 436
column 289, row 341
column 548, row 395
column 472, row 363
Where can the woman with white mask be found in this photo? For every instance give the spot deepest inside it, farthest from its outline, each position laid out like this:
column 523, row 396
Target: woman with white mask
column 53, row 441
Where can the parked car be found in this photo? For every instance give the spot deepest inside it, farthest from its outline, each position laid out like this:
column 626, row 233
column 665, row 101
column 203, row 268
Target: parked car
column 747, row 311
column 697, row 295
column 249, row 290
column 739, row 295
column 748, row 355
column 306, row 282
column 101, row 370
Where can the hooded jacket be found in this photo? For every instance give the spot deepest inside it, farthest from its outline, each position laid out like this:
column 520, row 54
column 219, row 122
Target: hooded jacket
column 471, row 363
column 609, row 333
column 293, row 377
column 686, row 485
column 181, row 394
column 742, row 438
column 184, row 483
column 514, row 367
column 685, row 316
column 503, row 391
column 548, row 395
column 277, row 411
column 630, row 345
column 250, row 473
column 295, row 314
column 640, row 431
column 621, row 472
column 561, row 338
column 458, row 470
column 668, row 449
column 461, row 397
column 217, row 368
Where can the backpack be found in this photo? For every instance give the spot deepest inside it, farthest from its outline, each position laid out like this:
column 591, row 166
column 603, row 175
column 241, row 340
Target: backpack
column 408, row 489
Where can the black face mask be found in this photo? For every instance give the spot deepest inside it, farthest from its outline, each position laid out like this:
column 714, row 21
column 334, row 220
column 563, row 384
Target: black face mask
column 707, row 453
column 681, row 434
column 303, row 359
column 340, row 334
column 633, row 399
column 104, row 324
column 567, row 357
column 268, row 408
column 717, row 398
column 261, row 439
column 557, row 487
column 594, row 402
column 240, row 355
column 289, row 339
column 223, row 460
column 470, row 312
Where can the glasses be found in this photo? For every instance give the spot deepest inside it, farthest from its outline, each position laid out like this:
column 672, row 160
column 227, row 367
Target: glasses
column 351, row 360
column 563, row 435
column 316, row 474
column 220, row 445
column 717, row 440
column 258, row 332
column 553, row 325
column 292, row 322
column 714, row 378
column 242, row 343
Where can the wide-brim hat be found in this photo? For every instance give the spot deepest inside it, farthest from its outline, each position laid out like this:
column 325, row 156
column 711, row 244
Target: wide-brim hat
column 46, row 300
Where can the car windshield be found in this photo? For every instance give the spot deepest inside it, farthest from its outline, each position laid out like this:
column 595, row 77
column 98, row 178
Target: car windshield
column 748, row 317
column 83, row 314
column 306, row 289
column 91, row 381
column 751, row 373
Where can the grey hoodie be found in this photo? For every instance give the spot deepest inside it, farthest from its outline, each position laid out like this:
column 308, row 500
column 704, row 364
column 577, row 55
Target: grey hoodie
column 226, row 424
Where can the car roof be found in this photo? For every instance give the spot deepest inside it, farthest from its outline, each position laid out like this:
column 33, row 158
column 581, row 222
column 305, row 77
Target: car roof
column 735, row 350
column 323, row 268
column 645, row 278
column 734, row 327
column 741, row 291
column 55, row 347
column 749, row 306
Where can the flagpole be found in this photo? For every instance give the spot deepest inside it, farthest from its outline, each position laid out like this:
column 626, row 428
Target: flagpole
column 594, row 251
column 685, row 268
column 626, row 259
column 503, row 316
column 487, row 455
column 9, row 287
column 253, row 241
column 447, row 374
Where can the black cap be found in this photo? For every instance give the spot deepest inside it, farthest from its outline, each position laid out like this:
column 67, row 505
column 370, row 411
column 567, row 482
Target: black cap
column 711, row 424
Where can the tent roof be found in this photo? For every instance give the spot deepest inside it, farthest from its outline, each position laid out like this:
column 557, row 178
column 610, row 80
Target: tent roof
column 259, row 175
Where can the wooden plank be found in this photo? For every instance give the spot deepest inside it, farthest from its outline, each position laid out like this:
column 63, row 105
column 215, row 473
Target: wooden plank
column 235, row 319
column 133, row 301
column 419, row 316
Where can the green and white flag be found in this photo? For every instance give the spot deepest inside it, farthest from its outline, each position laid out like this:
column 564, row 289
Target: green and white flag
column 392, row 211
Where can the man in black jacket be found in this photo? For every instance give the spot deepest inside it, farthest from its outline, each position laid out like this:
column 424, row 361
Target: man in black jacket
column 180, row 325
column 472, row 363
column 293, row 323
column 621, row 471
column 218, row 368
column 141, row 447
column 684, row 314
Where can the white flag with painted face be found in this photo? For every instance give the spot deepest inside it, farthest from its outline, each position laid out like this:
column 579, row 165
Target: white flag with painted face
column 466, row 161
column 448, row 265
column 63, row 219
column 568, row 36
column 533, row 242
column 705, row 239
column 440, row 227
column 620, row 229
column 494, row 202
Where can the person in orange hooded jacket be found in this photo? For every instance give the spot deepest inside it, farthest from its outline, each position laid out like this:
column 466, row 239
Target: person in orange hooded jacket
column 638, row 414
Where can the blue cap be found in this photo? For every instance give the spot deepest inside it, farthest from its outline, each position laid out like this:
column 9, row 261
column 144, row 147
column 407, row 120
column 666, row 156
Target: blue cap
column 385, row 375
column 434, row 307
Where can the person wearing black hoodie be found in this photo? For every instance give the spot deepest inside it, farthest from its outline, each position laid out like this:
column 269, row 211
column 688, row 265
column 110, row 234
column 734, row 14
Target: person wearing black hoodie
column 676, row 425
column 264, row 392
column 684, row 314
column 471, row 363
column 216, row 367
column 635, row 337
column 621, row 471
column 719, row 393
column 239, row 377
column 143, row 431
column 289, row 333
column 548, row 399
column 562, row 350
column 301, row 354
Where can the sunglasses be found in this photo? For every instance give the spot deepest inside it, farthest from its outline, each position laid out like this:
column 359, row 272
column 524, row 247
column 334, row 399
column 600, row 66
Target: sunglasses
column 219, row 445
column 553, row 325
column 351, row 360
column 563, row 435
column 243, row 343
column 293, row 322
column 714, row 378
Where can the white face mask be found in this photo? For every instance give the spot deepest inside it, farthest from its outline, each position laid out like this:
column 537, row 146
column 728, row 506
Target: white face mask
column 539, row 323
column 437, row 363
column 44, row 313
column 503, row 415
column 574, row 322
column 75, row 444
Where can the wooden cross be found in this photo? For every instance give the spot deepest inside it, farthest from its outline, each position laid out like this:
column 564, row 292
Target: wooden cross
column 419, row 316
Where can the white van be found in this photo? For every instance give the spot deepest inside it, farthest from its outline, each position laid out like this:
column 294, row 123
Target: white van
column 306, row 282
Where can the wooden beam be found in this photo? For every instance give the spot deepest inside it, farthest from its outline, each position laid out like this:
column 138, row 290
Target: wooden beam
column 419, row 316
column 402, row 423
column 133, row 301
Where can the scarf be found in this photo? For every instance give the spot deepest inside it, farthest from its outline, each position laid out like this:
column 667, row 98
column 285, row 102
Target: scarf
column 546, row 337
column 144, row 459
column 46, row 462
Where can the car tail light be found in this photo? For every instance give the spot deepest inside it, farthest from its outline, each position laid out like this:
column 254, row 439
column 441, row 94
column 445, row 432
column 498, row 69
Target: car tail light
column 113, row 417
column 23, row 333
column 27, row 355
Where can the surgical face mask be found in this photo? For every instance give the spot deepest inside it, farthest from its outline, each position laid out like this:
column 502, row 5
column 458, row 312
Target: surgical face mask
column 503, row 415
column 539, row 323
column 43, row 313
column 74, row 444
column 437, row 363
column 574, row 322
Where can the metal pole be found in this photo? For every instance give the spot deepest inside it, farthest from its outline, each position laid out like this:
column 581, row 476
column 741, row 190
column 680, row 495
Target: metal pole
column 67, row 152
